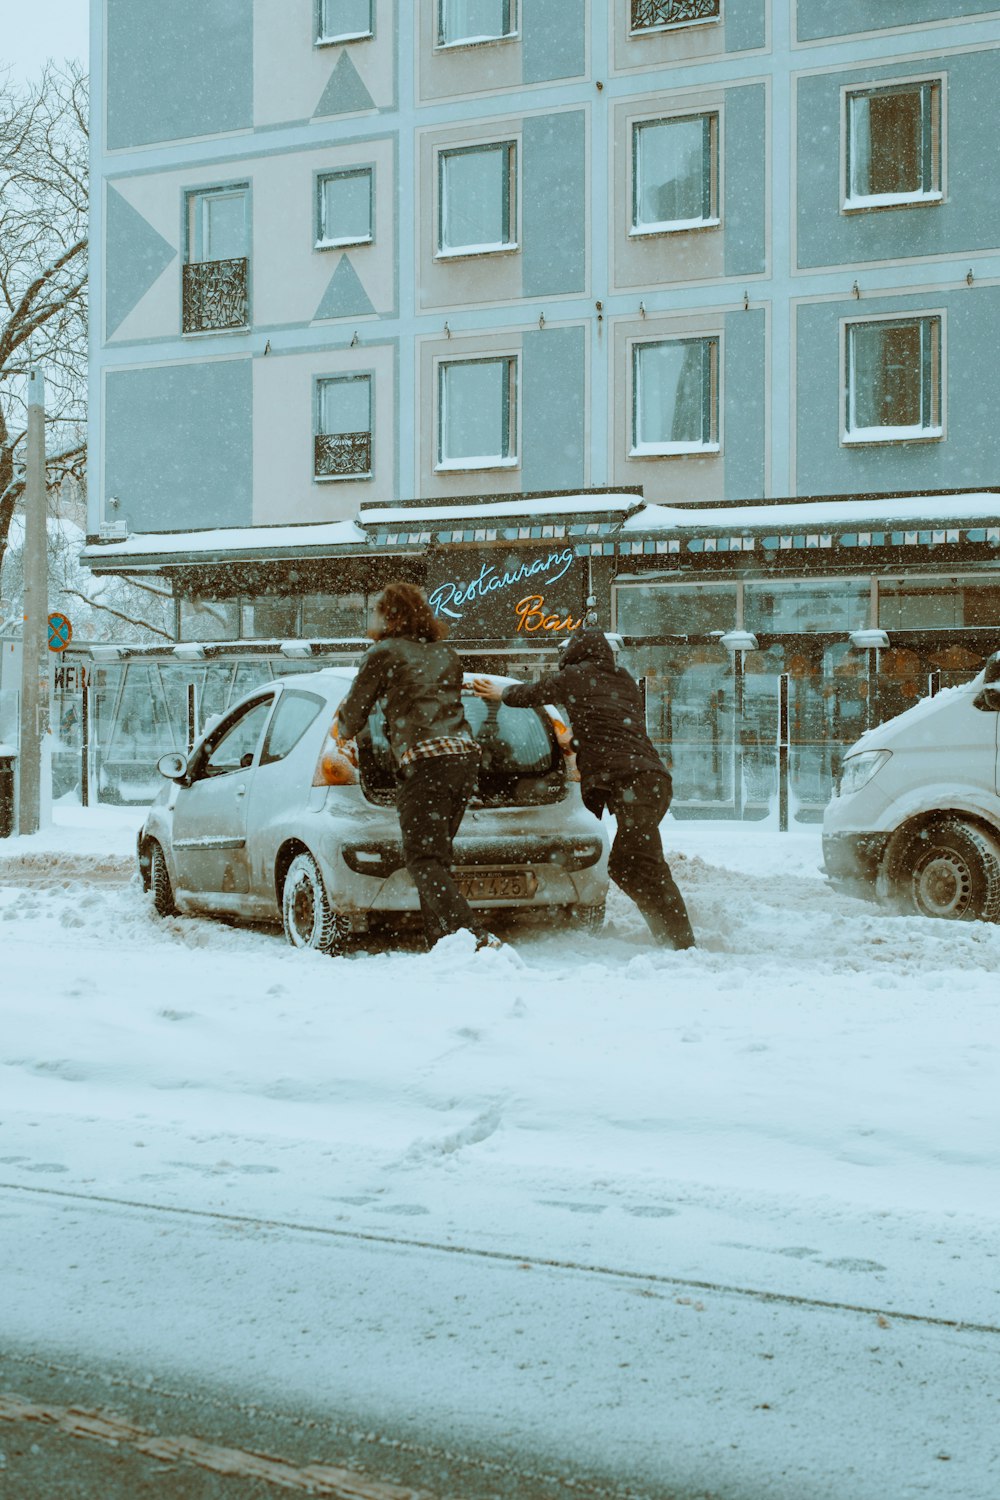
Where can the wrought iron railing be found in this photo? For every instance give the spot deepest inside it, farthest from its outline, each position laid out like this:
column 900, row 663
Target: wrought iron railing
column 649, row 13
column 343, row 453
column 215, row 295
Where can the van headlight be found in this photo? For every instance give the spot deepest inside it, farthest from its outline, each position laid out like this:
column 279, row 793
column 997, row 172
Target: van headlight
column 858, row 770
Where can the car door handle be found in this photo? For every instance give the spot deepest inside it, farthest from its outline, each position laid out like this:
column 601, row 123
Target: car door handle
column 241, row 791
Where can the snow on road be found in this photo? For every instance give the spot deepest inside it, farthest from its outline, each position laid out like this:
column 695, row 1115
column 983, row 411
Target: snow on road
column 807, row 1102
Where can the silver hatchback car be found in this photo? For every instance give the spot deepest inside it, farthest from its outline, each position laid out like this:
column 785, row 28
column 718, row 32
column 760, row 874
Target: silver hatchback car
column 271, row 819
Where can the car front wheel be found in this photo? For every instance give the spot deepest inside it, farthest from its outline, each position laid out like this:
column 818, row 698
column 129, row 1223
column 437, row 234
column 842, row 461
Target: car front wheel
column 160, row 888
column 952, row 870
column 307, row 916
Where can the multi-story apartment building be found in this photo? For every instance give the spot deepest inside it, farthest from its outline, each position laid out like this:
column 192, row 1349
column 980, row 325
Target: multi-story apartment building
column 351, row 253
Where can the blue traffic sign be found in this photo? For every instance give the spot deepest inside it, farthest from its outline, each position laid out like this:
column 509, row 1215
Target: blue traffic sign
column 60, row 632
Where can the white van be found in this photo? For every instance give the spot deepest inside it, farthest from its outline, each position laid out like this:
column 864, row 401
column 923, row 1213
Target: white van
column 916, row 819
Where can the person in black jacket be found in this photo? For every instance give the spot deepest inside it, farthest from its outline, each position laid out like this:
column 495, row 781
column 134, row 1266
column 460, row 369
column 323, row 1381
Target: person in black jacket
column 619, row 770
column 420, row 680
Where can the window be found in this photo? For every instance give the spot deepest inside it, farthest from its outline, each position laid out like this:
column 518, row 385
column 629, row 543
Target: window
column 893, row 380
column 235, row 750
column 475, row 21
column 334, row 615
column 274, row 618
column 344, row 208
column 477, row 404
column 343, row 20
column 795, row 607
column 938, row 603
column 675, row 174
column 654, row 15
column 675, row 399
column 343, row 442
column 675, row 609
column 215, row 274
column 292, row 717
column 476, row 199
column 894, row 146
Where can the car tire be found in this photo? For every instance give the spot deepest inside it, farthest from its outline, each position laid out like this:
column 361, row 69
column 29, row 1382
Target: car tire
column 306, row 914
column 951, row 871
column 160, row 887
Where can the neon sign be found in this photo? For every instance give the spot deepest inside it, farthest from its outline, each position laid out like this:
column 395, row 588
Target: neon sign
column 532, row 615
column 452, row 597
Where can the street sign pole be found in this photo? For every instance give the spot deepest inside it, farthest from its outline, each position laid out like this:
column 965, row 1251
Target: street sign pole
column 35, row 655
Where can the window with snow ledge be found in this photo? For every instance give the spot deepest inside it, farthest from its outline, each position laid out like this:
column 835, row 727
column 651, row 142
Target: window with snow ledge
column 675, row 397
column 675, row 174
column 468, row 23
column 658, row 15
column 893, row 380
column 477, row 199
column 215, row 276
column 893, row 146
column 343, row 21
column 342, row 446
column 344, row 208
column 477, row 413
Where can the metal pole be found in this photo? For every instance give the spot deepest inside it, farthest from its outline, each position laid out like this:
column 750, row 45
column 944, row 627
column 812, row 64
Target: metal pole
column 192, row 716
column 738, row 734
column 85, row 739
column 34, row 661
column 783, row 753
column 934, row 683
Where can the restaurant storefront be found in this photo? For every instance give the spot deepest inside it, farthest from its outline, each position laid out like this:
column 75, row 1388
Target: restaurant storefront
column 766, row 637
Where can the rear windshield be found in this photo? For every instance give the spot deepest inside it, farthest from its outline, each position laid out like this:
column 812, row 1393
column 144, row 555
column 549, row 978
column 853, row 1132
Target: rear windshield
column 520, row 763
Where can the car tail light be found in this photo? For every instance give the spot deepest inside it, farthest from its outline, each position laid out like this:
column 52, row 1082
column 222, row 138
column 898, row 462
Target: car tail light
column 338, row 761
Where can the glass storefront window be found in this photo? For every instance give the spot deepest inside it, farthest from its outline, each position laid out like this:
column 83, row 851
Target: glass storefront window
column 807, row 608
column 210, row 620
column 675, row 609
column 271, row 620
column 938, row 603
column 330, row 616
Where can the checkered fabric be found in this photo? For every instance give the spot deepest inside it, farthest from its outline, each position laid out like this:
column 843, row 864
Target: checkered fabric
column 446, row 744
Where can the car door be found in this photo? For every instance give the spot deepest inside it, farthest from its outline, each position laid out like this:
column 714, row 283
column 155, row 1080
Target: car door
column 210, row 815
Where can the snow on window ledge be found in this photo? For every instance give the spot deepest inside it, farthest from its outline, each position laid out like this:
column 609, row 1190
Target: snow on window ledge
column 637, row 31
column 343, row 36
column 859, row 204
column 340, row 478
column 344, row 239
column 671, row 450
column 672, row 226
column 484, row 461
column 476, row 41
column 858, row 435
column 459, row 252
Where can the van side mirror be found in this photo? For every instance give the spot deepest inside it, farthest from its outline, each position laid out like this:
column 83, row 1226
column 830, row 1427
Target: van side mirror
column 988, row 697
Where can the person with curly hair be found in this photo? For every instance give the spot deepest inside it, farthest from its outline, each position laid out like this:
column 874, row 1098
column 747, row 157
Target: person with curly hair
column 419, row 679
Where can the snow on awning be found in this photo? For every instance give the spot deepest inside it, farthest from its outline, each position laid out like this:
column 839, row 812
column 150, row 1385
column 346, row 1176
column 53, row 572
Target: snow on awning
column 584, row 516
column 152, row 550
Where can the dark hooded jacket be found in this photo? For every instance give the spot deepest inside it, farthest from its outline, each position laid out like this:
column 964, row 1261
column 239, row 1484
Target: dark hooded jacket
column 605, row 709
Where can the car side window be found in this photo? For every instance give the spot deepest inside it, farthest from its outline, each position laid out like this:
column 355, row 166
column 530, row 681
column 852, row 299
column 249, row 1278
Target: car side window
column 235, row 750
column 292, row 717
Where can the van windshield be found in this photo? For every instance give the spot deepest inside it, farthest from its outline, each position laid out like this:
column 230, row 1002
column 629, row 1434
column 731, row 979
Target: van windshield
column 521, row 763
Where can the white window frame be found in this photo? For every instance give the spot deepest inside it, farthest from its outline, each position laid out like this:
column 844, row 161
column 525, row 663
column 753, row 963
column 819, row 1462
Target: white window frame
column 321, row 240
column 344, row 377
column 712, row 158
column 508, row 460
column 337, row 39
column 443, row 44
column 932, row 383
column 513, row 206
column 194, row 230
column 933, row 89
column 711, row 400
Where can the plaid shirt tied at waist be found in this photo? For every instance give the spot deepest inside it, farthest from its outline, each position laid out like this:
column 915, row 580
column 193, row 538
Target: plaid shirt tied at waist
column 446, row 744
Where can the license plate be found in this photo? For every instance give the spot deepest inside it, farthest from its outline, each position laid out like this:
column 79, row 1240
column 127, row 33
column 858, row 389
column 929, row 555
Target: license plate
column 496, row 885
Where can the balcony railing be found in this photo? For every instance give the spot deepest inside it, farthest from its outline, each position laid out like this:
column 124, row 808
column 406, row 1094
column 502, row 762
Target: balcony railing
column 647, row 14
column 343, row 454
column 215, row 295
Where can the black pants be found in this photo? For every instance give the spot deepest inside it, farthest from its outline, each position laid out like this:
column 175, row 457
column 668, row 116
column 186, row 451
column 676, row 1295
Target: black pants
column 431, row 800
column 637, row 863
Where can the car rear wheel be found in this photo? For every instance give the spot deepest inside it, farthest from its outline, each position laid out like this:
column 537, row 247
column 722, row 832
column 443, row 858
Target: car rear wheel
column 160, row 888
column 307, row 916
column 951, row 870
column 587, row 918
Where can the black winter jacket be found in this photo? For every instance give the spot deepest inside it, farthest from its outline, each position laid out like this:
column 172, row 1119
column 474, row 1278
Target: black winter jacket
column 605, row 709
column 421, row 682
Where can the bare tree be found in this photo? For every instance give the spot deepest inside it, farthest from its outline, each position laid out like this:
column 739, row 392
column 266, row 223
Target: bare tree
column 43, row 273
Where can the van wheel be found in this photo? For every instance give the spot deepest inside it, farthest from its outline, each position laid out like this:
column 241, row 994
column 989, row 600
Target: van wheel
column 160, row 888
column 307, row 916
column 952, row 870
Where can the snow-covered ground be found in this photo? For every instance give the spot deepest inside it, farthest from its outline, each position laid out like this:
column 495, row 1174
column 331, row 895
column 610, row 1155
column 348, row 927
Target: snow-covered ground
column 805, row 1105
